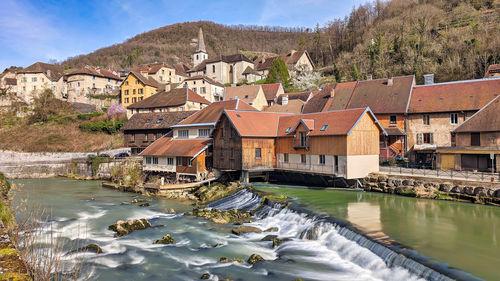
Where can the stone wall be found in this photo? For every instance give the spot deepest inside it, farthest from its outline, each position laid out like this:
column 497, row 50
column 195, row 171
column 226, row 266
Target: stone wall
column 480, row 193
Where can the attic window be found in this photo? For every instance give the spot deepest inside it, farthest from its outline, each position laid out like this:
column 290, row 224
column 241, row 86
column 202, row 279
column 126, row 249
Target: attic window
column 246, row 96
column 159, row 121
column 288, row 129
column 324, row 128
column 237, row 115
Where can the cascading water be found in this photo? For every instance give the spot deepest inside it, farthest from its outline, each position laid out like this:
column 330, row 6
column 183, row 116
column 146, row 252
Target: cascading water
column 339, row 239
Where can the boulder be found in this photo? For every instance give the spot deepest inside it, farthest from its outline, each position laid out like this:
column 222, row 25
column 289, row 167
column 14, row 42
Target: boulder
column 490, row 192
column 480, row 191
column 254, row 258
column 457, row 189
column 167, row 239
column 271, row 229
column 497, row 193
column 224, row 260
column 205, row 276
column 222, row 217
column 445, row 187
column 90, row 248
column 269, row 237
column 382, row 185
column 125, row 227
column 242, row 229
column 396, row 182
column 469, row 190
column 382, row 178
column 145, row 204
column 278, row 241
column 408, row 182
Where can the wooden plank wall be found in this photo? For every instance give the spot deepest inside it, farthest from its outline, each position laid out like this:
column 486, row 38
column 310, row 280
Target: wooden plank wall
column 365, row 138
column 226, row 149
column 266, row 145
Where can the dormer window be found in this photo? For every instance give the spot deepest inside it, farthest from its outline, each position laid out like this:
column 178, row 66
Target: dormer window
column 246, row 96
column 324, row 128
column 288, row 130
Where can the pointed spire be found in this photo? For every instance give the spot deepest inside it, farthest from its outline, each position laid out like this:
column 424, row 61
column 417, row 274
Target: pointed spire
column 201, row 42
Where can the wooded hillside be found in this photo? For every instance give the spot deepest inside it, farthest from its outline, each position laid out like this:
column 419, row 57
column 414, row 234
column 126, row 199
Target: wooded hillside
column 455, row 39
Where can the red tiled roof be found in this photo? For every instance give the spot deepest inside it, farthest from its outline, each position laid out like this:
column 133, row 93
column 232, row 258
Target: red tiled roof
column 318, row 102
column 487, row 119
column 454, row 96
column 271, row 90
column 150, row 68
column 381, row 97
column 95, row 72
column 290, row 59
column 211, row 113
column 255, row 124
column 246, row 93
column 492, row 69
column 53, row 72
column 304, row 96
column 293, row 106
column 145, row 80
column 339, row 122
column 175, row 97
column 167, row 146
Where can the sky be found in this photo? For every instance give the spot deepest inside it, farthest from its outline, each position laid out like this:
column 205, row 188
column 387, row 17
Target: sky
column 51, row 30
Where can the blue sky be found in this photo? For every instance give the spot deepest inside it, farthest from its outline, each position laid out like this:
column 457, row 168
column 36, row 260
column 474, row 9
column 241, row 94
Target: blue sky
column 41, row 30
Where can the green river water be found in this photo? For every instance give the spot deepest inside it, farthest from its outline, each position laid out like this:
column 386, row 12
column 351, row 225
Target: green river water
column 465, row 236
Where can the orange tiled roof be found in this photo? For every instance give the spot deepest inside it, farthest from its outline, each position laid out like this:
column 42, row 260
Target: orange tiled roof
column 255, row 124
column 487, row 119
column 453, row 96
column 271, row 90
column 211, row 113
column 174, row 97
column 167, row 146
column 246, row 93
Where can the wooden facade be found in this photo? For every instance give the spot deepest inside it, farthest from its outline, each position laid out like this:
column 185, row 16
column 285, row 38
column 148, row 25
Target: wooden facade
column 138, row 140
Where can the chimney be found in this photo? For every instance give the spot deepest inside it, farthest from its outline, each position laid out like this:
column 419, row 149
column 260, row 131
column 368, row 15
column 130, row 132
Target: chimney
column 332, row 93
column 390, row 82
column 428, row 79
column 369, row 77
column 284, row 100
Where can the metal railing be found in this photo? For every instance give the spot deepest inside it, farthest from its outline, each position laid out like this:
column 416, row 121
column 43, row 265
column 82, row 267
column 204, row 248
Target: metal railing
column 451, row 174
column 313, row 168
column 301, row 143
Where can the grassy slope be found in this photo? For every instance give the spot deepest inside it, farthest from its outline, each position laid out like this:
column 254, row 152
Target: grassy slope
column 53, row 136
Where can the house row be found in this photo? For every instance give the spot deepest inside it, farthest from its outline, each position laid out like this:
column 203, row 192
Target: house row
column 419, row 119
column 231, row 136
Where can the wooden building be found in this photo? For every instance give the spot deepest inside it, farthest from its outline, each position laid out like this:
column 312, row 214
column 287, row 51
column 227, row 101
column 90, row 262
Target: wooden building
column 186, row 152
column 142, row 129
column 477, row 145
column 343, row 143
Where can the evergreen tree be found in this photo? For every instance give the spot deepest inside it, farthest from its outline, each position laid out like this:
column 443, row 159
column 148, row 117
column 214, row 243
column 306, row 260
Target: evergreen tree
column 355, row 73
column 278, row 73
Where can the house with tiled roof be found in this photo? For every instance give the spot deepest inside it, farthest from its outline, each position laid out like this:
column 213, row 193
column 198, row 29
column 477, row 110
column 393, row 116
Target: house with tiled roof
column 294, row 106
column 251, row 75
column 295, row 60
column 436, row 110
column 305, row 96
column 492, row 71
column 206, row 87
column 87, row 84
column 185, row 154
column 136, row 87
column 252, row 94
column 37, row 77
column 477, row 142
column 182, row 99
column 160, row 72
column 272, row 92
column 341, row 143
column 142, row 129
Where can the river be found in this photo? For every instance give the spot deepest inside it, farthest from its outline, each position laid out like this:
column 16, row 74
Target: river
column 82, row 211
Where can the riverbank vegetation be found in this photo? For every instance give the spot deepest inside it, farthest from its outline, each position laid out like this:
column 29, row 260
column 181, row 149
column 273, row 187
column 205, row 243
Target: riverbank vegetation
column 53, row 125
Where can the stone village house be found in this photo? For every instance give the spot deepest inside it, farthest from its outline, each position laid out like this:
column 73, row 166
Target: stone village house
column 253, row 95
column 86, row 83
column 208, row 88
column 37, row 77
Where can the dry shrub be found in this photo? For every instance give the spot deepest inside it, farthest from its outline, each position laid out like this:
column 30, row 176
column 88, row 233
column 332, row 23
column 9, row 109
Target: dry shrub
column 45, row 105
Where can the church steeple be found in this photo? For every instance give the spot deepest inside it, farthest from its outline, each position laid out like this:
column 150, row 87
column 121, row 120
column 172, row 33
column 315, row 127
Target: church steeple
column 201, row 53
column 201, row 42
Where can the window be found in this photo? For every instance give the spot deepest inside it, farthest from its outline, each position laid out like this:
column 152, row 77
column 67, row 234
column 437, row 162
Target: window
column 78, row 84
column 183, row 134
column 475, row 139
column 194, row 82
column 322, row 160
column 159, row 120
column 258, row 153
column 93, row 85
column 34, row 88
column 126, row 92
column 24, row 88
column 203, row 90
column 93, row 77
column 454, row 118
column 285, row 157
column 246, row 96
column 213, row 68
column 133, row 91
column 140, row 98
column 170, row 161
column 425, row 138
column 336, row 163
column 179, row 161
column 288, row 129
column 203, row 132
column 33, row 79
column 197, row 57
column 194, row 90
column 140, row 91
column 24, row 79
column 136, row 82
column 134, row 100
column 303, row 158
column 109, row 80
column 126, row 100
column 303, row 139
column 190, row 162
column 126, row 83
column 163, row 71
column 426, row 119
column 148, row 160
column 161, row 78
column 155, row 160
column 392, row 119
column 453, row 139
column 324, row 128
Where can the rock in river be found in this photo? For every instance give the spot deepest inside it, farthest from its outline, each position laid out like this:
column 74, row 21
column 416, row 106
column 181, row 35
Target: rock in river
column 167, row 239
column 90, row 248
column 242, row 229
column 125, row 227
column 254, row 258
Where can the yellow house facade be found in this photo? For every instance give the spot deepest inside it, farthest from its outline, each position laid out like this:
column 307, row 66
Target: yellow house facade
column 136, row 87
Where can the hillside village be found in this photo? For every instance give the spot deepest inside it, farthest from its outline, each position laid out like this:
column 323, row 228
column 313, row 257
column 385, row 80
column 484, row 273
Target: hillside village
column 191, row 122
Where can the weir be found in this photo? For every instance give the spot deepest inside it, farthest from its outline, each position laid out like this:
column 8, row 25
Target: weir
column 300, row 223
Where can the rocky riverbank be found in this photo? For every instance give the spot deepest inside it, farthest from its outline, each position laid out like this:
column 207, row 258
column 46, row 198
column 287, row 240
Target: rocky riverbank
column 431, row 189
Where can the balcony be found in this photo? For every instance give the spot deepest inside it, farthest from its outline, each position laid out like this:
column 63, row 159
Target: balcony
column 301, row 143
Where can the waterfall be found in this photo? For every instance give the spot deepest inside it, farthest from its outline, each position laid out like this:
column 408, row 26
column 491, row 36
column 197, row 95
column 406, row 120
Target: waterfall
column 339, row 237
